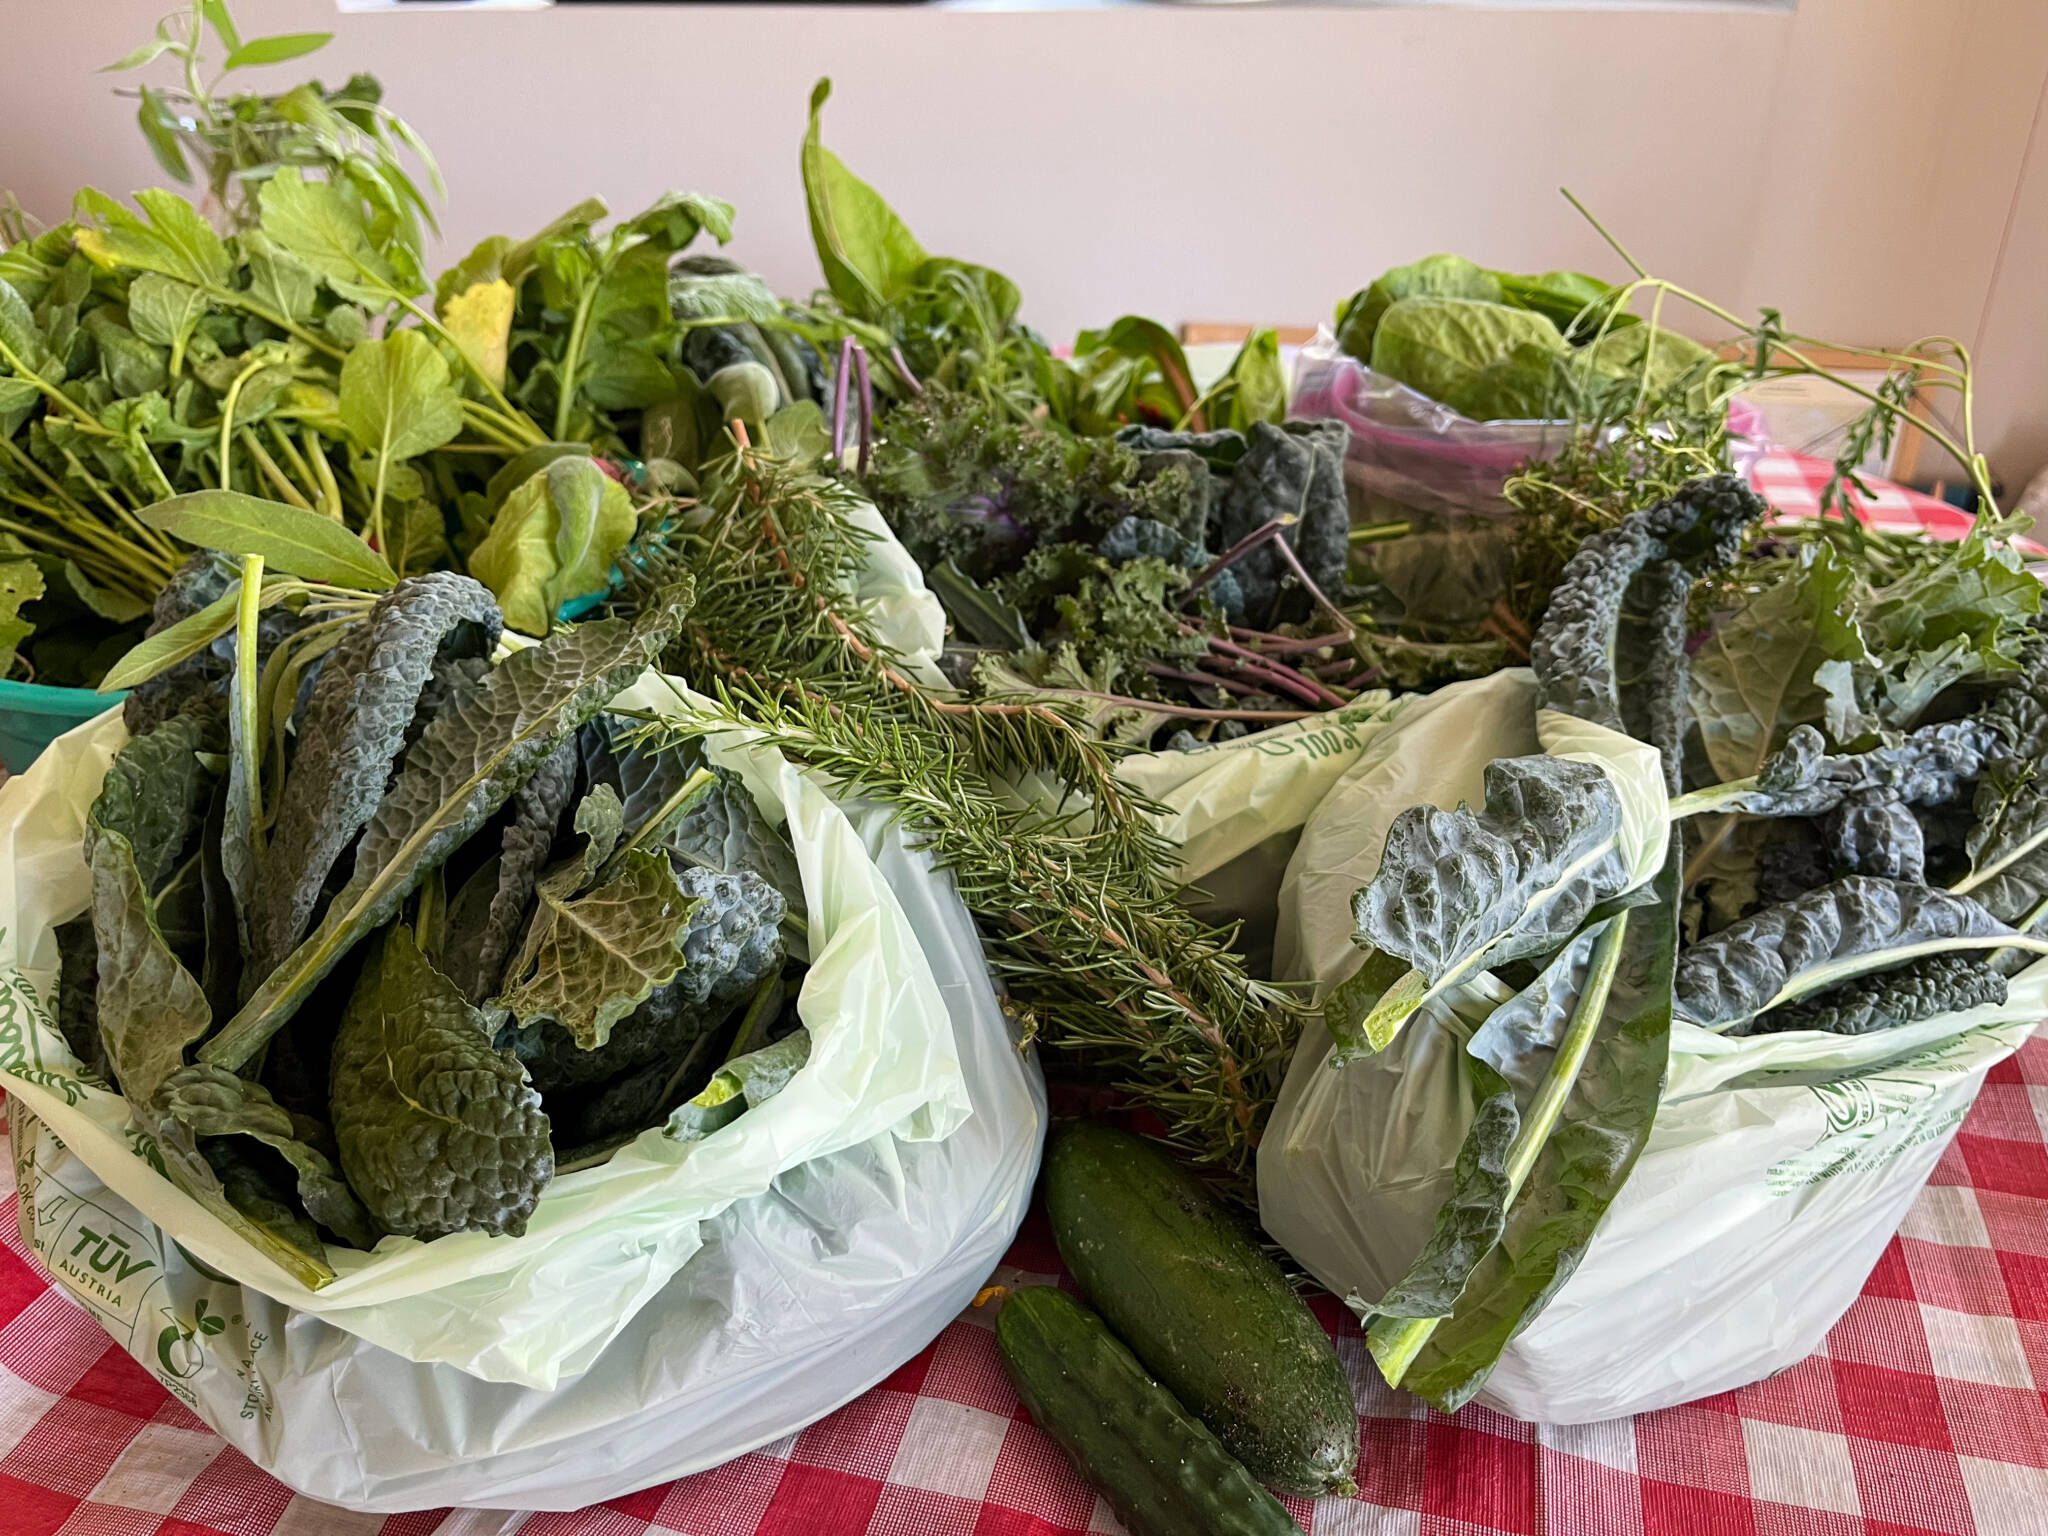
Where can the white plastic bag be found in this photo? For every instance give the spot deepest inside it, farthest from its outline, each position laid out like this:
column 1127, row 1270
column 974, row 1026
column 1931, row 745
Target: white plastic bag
column 1778, row 1169
column 788, row 1299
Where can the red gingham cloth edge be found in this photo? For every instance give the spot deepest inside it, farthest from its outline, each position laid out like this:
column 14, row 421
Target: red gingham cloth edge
column 1924, row 1414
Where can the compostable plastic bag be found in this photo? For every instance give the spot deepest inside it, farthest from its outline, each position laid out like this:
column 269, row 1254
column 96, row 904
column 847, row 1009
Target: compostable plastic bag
column 1778, row 1169
column 694, row 1301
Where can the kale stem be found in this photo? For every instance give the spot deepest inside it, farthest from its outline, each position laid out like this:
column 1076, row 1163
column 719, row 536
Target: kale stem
column 1316, row 593
column 1204, row 680
column 687, row 794
column 1269, row 644
column 1239, row 550
column 1276, row 674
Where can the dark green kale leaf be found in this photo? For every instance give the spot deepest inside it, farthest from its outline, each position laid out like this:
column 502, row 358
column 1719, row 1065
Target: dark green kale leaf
column 200, row 679
column 464, row 767
column 1458, row 890
column 1113, row 618
column 350, row 733
column 78, row 1017
column 1876, row 836
column 2008, row 845
column 157, row 790
column 214, row 1105
column 1849, row 928
column 1626, row 572
column 438, row 1131
column 1890, row 999
column 481, row 941
column 1933, row 765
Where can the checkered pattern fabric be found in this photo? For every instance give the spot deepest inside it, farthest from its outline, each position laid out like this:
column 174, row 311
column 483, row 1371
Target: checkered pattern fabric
column 1793, row 483
column 1925, row 1414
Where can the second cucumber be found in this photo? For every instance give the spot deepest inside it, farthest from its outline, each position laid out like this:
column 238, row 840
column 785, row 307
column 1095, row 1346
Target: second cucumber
column 1209, row 1314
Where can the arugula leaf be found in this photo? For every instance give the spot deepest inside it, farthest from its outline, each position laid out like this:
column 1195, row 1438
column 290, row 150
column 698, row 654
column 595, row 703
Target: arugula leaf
column 555, row 539
column 479, row 318
column 438, row 1131
column 869, row 255
column 175, row 242
column 287, row 538
column 465, row 765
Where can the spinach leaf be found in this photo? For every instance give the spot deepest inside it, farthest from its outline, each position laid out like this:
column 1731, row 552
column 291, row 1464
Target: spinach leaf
column 350, row 732
column 1440, row 276
column 438, row 1131
column 869, row 255
column 1856, row 925
column 1441, row 347
column 1460, row 890
column 465, row 765
column 554, row 540
column 1575, row 303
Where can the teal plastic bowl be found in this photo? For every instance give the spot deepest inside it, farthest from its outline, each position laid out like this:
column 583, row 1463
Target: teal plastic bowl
column 32, row 715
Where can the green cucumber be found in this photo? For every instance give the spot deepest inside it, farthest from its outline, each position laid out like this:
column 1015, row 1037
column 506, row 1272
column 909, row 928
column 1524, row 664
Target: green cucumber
column 1207, row 1312
column 1160, row 1469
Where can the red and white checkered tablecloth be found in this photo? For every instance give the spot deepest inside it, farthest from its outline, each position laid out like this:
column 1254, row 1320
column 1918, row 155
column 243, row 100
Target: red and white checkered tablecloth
column 1926, row 1413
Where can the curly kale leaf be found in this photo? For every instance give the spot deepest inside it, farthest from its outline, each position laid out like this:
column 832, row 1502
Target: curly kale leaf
column 1113, row 618
column 1935, row 985
column 1459, row 890
column 214, row 1105
column 463, row 768
column 438, row 1131
column 1852, row 927
column 1579, row 644
column 1294, row 471
column 350, row 733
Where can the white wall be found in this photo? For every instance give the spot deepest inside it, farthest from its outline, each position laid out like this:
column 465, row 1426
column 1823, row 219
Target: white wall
column 1853, row 163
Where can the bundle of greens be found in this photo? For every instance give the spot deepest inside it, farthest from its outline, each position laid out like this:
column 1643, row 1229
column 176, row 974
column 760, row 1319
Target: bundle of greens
column 294, row 354
column 387, row 935
column 1850, row 759
column 1497, row 346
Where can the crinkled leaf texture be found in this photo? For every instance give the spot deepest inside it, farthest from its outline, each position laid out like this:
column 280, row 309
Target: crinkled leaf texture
column 588, row 960
column 2009, row 844
column 1857, row 925
column 213, row 1104
column 1925, row 988
column 1590, row 1139
column 484, row 921
column 1459, row 890
column 439, row 1132
column 464, row 766
column 349, row 734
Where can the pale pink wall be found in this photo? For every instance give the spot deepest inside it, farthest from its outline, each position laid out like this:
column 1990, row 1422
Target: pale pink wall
column 1852, row 163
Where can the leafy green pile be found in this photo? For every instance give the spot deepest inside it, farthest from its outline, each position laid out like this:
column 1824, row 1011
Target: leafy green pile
column 387, row 936
column 1853, row 764
column 1496, row 346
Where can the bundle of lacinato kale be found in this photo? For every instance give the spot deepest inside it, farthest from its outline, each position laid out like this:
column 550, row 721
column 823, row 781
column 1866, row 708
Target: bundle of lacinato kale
column 1885, row 863
column 386, row 937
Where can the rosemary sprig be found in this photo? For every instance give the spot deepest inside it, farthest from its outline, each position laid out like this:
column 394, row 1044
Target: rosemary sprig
column 1075, row 899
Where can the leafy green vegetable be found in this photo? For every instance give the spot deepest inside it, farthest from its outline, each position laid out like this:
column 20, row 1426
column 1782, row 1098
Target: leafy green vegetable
column 465, row 765
column 20, row 582
column 438, row 1131
column 398, row 402
column 868, row 254
column 1850, row 928
column 555, row 539
column 350, row 733
column 1920, row 990
column 288, row 538
column 1580, row 1133
column 1442, row 347
column 1458, row 890
column 1441, row 276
